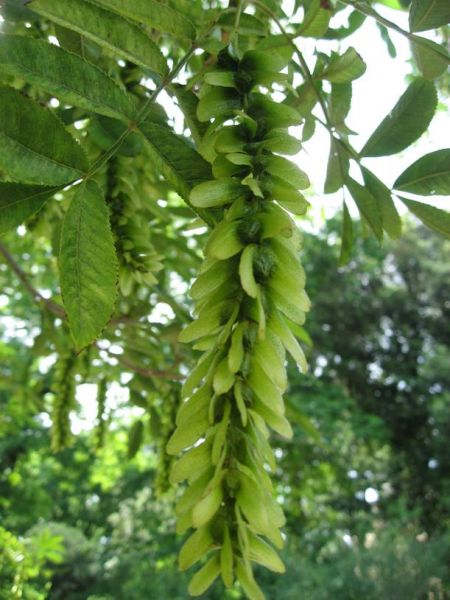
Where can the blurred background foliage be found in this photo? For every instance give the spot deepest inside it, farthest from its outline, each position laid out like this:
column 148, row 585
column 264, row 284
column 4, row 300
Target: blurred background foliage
column 364, row 483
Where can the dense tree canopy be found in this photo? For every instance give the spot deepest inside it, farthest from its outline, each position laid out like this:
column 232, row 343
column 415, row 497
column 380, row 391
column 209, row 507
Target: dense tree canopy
column 151, row 269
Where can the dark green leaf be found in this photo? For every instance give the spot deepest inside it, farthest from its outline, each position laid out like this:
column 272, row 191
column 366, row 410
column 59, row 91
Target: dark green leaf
column 337, row 168
column 34, row 146
column 188, row 103
column 344, row 68
column 432, row 60
column 427, row 176
column 175, row 158
column 434, row 218
column 105, row 132
column 18, row 202
column 64, row 75
column 105, row 28
column 340, row 102
column 367, row 205
column 135, row 437
column 157, row 15
column 346, row 236
column 218, row 102
column 406, row 122
column 392, row 223
column 428, row 14
column 69, row 40
column 88, row 265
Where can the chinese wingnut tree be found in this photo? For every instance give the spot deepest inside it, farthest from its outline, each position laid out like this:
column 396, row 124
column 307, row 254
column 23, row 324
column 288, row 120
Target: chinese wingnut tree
column 249, row 298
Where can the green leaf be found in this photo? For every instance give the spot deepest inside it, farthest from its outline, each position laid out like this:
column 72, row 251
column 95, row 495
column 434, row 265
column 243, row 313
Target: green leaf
column 275, row 115
column 106, row 29
column 406, row 122
column 64, row 75
column 135, row 437
column 188, row 103
column 434, row 218
column 392, row 223
column 427, row 176
column 175, row 158
column 18, row 202
column 367, row 205
column 288, row 171
column 248, row 24
column 346, row 237
column 344, row 68
column 337, row 168
column 216, row 192
column 340, row 102
column 34, row 145
column 428, row 14
column 218, row 102
column 87, row 265
column 316, row 21
column 156, row 15
column 105, row 131
column 355, row 20
column 431, row 59
column 273, row 61
column 69, row 40
column 220, row 78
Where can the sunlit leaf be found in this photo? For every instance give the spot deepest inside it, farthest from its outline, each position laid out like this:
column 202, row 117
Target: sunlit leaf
column 106, row 29
column 157, row 15
column 64, row 75
column 344, row 68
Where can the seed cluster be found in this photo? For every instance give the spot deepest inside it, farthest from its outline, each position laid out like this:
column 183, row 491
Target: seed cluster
column 249, row 299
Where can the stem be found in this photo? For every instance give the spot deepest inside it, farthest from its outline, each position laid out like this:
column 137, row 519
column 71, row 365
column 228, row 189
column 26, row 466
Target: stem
column 370, row 12
column 310, row 79
column 141, row 115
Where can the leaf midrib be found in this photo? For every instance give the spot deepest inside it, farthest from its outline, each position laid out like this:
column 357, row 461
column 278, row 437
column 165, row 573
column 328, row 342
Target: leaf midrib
column 425, row 177
column 41, row 156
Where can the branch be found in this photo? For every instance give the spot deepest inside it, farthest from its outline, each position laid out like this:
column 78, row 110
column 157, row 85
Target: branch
column 143, row 371
column 48, row 304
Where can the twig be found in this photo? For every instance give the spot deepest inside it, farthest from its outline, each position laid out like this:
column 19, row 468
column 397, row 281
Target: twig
column 48, row 304
column 370, row 12
column 143, row 371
